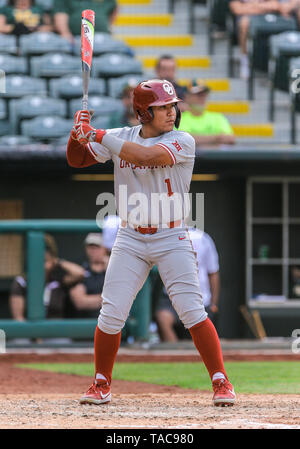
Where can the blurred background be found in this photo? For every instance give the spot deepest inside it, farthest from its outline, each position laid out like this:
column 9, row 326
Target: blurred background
column 233, row 64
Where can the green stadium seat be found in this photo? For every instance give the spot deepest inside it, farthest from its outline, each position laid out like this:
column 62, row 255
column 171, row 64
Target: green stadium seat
column 15, row 141
column 70, row 86
column 13, row 64
column 113, row 65
column 54, row 65
column 8, row 44
column 104, row 43
column 283, row 47
column 102, row 106
column 20, row 85
column 217, row 15
column 40, row 43
column 116, row 85
column 46, row 128
column 261, row 28
column 34, row 106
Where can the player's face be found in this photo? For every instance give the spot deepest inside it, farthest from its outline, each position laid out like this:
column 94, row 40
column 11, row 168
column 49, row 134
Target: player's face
column 164, row 118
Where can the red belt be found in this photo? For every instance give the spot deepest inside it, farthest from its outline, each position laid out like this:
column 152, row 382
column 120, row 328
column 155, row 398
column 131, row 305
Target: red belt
column 153, row 229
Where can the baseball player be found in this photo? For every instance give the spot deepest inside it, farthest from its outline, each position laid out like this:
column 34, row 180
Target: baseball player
column 150, row 158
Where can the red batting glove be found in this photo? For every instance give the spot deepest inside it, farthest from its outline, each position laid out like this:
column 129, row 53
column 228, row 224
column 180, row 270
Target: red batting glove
column 86, row 133
column 83, row 117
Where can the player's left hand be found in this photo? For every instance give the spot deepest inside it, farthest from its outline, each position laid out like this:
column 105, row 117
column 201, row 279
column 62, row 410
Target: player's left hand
column 83, row 116
column 85, row 133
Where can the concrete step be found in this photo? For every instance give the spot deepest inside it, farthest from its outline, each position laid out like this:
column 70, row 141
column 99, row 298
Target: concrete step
column 143, row 20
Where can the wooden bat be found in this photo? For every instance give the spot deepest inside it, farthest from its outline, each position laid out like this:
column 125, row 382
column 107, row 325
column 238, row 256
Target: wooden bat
column 87, row 45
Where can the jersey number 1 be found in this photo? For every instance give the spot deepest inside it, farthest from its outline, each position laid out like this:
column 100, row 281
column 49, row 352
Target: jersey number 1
column 168, row 182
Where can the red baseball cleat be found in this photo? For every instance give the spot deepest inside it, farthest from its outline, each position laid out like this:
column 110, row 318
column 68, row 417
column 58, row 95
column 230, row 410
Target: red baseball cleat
column 224, row 394
column 97, row 394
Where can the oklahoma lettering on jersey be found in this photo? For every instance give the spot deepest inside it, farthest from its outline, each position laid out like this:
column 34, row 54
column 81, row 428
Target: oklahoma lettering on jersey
column 144, row 181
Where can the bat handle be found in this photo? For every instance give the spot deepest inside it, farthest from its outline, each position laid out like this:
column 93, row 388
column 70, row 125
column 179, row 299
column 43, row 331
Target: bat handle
column 85, row 103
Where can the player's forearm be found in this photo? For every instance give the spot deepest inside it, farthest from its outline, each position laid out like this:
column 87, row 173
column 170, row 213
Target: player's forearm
column 78, row 155
column 75, row 272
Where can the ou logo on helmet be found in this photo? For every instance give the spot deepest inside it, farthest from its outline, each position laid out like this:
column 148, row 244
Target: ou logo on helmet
column 168, row 88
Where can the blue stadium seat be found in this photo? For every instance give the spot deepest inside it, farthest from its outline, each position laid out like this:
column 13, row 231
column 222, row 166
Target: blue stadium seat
column 13, row 64
column 40, row 43
column 54, row 65
column 102, row 106
column 104, row 43
column 18, row 86
column 2, row 109
column 8, row 44
column 46, row 128
column 34, row 106
column 15, row 141
column 70, row 86
column 4, row 127
column 116, row 85
column 113, row 65
column 101, row 122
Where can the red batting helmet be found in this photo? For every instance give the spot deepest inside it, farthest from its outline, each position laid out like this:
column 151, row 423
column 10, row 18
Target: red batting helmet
column 154, row 93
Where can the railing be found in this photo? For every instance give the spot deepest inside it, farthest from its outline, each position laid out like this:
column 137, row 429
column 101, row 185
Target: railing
column 36, row 325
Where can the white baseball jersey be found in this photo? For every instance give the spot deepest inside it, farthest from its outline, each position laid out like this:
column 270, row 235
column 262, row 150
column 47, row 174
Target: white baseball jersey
column 135, row 185
column 208, row 260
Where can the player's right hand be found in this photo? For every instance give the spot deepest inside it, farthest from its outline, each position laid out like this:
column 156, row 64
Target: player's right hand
column 83, row 117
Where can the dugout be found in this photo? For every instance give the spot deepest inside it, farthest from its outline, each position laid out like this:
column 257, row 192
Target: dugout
column 251, row 201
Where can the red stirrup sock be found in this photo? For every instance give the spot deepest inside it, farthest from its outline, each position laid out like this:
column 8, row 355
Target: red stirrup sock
column 105, row 347
column 207, row 342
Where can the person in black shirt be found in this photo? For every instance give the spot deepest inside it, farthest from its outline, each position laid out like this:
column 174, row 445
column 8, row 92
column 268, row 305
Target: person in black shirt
column 86, row 295
column 60, row 275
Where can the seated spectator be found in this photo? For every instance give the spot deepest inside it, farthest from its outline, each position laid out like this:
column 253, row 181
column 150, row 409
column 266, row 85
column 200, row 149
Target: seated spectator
column 207, row 128
column 23, row 17
column 60, row 276
column 126, row 117
column 86, row 295
column 67, row 16
column 165, row 69
column 243, row 10
column 170, row 327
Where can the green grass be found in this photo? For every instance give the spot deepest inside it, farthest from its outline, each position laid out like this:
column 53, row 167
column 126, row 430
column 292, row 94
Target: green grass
column 247, row 377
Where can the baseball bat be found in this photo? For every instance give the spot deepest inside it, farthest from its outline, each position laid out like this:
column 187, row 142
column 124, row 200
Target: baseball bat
column 87, row 46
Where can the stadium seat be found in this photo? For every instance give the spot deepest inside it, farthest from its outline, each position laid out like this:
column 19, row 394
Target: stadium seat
column 70, row 86
column 13, row 64
column 46, row 128
column 2, row 109
column 40, row 43
column 46, row 4
column 101, row 122
column 283, row 47
column 294, row 77
column 104, row 43
column 116, row 85
column 34, row 106
column 54, row 65
column 15, row 140
column 217, row 14
column 4, row 127
column 116, row 65
column 18, row 86
column 8, row 44
column 261, row 28
column 102, row 106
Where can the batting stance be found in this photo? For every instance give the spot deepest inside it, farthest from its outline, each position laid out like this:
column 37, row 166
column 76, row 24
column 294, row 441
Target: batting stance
column 148, row 158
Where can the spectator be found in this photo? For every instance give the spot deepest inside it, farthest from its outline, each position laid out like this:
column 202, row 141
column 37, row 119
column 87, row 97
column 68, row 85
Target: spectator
column 60, row 276
column 207, row 128
column 23, row 17
column 126, row 117
column 86, row 295
column 67, row 16
column 170, row 327
column 165, row 69
column 243, row 10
